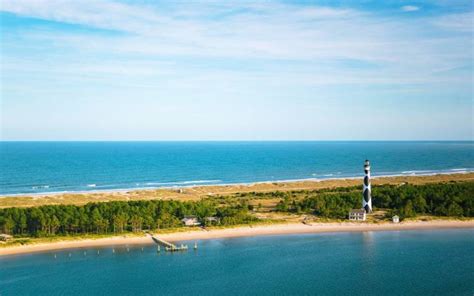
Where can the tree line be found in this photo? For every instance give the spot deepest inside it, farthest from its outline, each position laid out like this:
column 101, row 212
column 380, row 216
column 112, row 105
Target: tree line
column 115, row 217
column 441, row 199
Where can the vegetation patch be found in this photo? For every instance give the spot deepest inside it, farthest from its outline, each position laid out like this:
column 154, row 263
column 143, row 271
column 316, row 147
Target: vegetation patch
column 453, row 199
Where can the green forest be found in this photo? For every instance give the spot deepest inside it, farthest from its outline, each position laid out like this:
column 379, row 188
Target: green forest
column 454, row 199
column 115, row 217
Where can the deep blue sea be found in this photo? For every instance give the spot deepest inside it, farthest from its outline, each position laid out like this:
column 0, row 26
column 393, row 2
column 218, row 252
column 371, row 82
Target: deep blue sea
column 39, row 167
column 429, row 262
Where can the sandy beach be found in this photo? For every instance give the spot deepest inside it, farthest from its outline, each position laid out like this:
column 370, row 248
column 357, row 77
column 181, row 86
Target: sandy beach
column 198, row 192
column 275, row 229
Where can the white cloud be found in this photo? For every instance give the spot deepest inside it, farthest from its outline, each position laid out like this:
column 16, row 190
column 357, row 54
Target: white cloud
column 409, row 8
column 251, row 32
column 463, row 22
column 209, row 62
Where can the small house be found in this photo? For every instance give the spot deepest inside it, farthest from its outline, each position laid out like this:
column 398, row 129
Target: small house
column 190, row 221
column 357, row 215
column 212, row 220
column 5, row 237
column 396, row 219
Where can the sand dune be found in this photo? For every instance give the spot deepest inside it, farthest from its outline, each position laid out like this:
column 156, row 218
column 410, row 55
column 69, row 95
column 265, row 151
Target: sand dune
column 198, row 192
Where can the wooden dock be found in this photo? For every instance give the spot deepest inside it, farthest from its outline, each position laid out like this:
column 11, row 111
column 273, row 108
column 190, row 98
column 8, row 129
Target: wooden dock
column 169, row 246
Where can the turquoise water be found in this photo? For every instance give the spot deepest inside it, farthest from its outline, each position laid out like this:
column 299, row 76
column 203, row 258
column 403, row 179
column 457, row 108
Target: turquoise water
column 438, row 262
column 39, row 167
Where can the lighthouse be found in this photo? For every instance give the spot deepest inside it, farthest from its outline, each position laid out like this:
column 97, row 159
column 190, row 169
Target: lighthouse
column 367, row 198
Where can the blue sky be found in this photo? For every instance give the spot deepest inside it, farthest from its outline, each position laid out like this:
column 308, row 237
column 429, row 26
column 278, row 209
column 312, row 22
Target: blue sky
column 246, row 70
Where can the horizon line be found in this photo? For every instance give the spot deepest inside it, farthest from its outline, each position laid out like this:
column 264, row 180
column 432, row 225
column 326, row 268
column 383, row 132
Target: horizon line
column 247, row 140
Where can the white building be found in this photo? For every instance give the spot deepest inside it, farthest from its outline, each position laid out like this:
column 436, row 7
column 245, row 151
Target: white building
column 396, row 219
column 212, row 220
column 190, row 221
column 5, row 237
column 357, row 215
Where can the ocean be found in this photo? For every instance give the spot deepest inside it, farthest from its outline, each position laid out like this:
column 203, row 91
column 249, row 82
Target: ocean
column 428, row 262
column 42, row 167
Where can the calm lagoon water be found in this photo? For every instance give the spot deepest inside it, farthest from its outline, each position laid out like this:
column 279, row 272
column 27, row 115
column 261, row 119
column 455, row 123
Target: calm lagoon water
column 39, row 167
column 437, row 262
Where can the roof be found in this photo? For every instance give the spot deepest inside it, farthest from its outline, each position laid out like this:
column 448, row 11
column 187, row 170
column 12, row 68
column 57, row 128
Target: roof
column 357, row 211
column 187, row 218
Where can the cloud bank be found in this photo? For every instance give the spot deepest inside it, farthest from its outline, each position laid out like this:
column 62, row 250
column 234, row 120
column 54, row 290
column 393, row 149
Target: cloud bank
column 223, row 53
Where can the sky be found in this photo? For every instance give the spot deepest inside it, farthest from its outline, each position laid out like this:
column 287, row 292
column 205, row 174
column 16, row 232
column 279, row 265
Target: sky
column 236, row 70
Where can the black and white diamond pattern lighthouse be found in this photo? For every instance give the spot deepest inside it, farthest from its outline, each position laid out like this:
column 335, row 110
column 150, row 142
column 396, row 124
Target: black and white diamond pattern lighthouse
column 367, row 198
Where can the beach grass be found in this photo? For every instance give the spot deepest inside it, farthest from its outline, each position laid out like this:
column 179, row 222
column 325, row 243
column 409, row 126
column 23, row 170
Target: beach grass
column 199, row 192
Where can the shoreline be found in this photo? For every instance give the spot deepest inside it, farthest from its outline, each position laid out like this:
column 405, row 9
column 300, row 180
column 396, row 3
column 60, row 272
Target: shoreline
column 241, row 231
column 201, row 191
column 419, row 173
